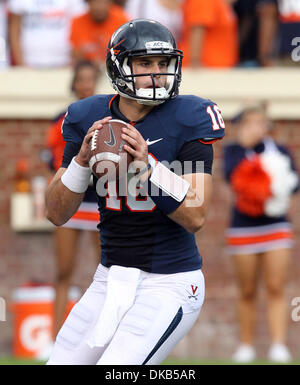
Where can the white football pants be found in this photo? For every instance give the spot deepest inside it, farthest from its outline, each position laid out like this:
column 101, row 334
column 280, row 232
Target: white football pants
column 165, row 308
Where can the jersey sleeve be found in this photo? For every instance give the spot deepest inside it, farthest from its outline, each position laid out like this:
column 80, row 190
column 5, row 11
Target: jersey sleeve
column 202, row 120
column 71, row 125
column 71, row 149
column 196, row 157
column 75, row 125
column 72, row 134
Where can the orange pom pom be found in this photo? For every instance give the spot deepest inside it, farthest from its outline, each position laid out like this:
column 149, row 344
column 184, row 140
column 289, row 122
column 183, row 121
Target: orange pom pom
column 252, row 186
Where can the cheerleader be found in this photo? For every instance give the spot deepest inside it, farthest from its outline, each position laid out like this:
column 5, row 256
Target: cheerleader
column 262, row 177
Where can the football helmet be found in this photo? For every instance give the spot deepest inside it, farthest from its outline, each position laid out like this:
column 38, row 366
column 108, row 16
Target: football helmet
column 142, row 37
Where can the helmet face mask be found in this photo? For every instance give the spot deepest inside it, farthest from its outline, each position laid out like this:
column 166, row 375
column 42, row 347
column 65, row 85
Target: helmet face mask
column 143, row 38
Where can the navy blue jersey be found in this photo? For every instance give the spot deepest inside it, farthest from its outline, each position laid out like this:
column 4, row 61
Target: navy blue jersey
column 234, row 153
column 134, row 233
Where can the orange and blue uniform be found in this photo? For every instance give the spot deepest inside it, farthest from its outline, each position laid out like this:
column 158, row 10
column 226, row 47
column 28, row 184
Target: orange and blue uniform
column 251, row 230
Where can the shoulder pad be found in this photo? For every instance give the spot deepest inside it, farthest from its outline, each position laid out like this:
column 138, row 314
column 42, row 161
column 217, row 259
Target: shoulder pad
column 202, row 118
column 72, row 128
column 79, row 109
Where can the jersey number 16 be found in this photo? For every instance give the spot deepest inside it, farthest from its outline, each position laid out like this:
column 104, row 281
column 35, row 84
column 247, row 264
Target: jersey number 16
column 216, row 117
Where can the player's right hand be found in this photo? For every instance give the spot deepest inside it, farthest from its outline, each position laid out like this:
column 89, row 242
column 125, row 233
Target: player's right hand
column 83, row 156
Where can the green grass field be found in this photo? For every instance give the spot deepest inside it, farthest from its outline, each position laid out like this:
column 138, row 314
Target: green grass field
column 171, row 361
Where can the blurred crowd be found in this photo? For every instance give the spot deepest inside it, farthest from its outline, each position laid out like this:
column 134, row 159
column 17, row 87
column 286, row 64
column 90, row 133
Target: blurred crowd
column 211, row 33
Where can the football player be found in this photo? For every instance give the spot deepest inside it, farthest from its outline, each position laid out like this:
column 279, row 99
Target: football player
column 149, row 288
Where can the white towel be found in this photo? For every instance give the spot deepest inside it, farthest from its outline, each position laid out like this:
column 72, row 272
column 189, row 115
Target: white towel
column 122, row 283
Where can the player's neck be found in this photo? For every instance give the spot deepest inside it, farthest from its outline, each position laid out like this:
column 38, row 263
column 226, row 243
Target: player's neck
column 132, row 109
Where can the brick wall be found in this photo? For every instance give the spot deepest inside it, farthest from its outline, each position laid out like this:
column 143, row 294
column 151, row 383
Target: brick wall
column 30, row 256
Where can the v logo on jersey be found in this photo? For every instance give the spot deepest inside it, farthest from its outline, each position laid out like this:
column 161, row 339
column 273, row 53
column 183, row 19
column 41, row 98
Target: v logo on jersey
column 153, row 141
column 112, row 139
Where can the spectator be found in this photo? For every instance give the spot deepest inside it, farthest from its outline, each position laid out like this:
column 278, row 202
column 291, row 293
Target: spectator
column 289, row 32
column 39, row 31
column 166, row 12
column 263, row 177
column 210, row 37
column 66, row 237
column 4, row 53
column 90, row 33
column 257, row 31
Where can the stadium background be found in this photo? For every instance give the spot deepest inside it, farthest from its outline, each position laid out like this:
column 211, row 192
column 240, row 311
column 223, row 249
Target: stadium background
column 30, row 99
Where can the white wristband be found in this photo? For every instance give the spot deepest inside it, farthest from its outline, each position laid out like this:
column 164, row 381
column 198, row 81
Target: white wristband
column 76, row 178
column 173, row 185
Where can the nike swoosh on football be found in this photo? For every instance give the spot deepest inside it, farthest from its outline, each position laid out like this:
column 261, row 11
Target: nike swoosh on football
column 112, row 140
column 152, row 141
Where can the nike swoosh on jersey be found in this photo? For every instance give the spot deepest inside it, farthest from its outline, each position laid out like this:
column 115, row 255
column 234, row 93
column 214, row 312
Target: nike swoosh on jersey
column 152, row 141
column 112, row 140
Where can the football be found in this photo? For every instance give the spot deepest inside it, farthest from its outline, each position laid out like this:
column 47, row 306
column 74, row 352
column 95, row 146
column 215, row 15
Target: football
column 108, row 157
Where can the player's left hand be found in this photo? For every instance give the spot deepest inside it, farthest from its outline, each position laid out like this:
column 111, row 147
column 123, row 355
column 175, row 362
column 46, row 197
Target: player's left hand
column 137, row 146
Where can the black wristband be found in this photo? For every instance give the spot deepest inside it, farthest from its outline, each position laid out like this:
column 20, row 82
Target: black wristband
column 164, row 202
